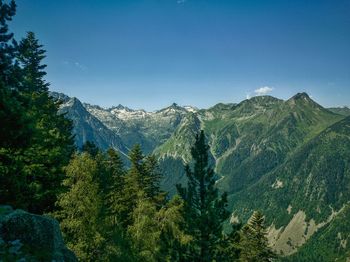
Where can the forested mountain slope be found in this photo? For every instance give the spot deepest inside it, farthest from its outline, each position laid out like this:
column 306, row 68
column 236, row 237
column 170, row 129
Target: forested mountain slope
column 288, row 158
column 309, row 191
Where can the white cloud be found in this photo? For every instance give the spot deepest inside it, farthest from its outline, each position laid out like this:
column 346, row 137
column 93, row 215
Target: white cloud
column 247, row 96
column 263, row 90
column 80, row 66
column 72, row 64
column 181, row 1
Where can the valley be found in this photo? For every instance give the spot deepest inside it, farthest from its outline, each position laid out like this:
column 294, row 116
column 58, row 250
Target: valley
column 290, row 159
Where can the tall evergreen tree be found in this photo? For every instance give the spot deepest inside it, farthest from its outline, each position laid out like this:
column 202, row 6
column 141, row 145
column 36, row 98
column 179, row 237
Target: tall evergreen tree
column 14, row 129
column 8, row 46
column 111, row 180
column 16, row 126
column 30, row 57
column 114, row 183
column 131, row 188
column 143, row 178
column 51, row 145
column 205, row 210
column 254, row 243
column 37, row 142
column 173, row 239
column 229, row 247
column 152, row 177
column 145, row 231
column 80, row 209
column 156, row 233
column 91, row 148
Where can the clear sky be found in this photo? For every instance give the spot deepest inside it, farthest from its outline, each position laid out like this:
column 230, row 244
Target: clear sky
column 148, row 54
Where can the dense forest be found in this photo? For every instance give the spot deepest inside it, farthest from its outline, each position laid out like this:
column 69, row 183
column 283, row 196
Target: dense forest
column 107, row 211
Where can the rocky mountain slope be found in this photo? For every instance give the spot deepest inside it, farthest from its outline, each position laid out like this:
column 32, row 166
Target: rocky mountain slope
column 86, row 127
column 289, row 158
column 149, row 129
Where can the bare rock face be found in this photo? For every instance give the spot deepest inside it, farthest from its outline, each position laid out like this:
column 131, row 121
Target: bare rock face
column 31, row 237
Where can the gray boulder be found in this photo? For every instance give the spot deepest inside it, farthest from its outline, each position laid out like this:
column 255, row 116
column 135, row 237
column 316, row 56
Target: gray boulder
column 32, row 236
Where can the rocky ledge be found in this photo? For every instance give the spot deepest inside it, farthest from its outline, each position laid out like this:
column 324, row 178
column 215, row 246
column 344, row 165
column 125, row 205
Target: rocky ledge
column 28, row 237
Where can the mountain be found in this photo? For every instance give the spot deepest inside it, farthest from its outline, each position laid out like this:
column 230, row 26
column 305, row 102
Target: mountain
column 304, row 194
column 86, row 127
column 289, row 158
column 175, row 152
column 149, row 129
column 267, row 131
column 344, row 111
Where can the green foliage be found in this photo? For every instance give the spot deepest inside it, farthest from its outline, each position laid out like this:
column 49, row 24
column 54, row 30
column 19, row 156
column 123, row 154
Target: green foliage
column 110, row 214
column 229, row 246
column 91, row 148
column 36, row 142
column 144, row 230
column 204, row 211
column 80, row 207
column 254, row 244
column 7, row 44
column 30, row 55
column 156, row 234
column 173, row 239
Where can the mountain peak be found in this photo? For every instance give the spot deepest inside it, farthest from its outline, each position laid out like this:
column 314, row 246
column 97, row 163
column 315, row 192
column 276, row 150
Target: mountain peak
column 300, row 98
column 172, row 109
column 263, row 99
column 120, row 107
column 192, row 109
column 175, row 106
column 302, row 95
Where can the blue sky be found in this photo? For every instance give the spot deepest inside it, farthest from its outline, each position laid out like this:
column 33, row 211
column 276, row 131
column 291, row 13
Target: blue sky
column 148, row 54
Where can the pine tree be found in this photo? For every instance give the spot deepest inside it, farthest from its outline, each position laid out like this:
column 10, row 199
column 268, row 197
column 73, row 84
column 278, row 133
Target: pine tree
column 30, row 57
column 254, row 243
column 16, row 126
column 111, row 179
column 13, row 133
column 173, row 239
column 80, row 209
column 143, row 178
column 152, row 178
column 114, row 176
column 131, row 188
column 229, row 246
column 36, row 142
column 156, row 234
column 51, row 145
column 8, row 45
column 205, row 210
column 145, row 231
column 91, row 148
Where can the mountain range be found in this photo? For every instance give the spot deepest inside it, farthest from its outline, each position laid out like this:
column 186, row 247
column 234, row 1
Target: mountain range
column 288, row 158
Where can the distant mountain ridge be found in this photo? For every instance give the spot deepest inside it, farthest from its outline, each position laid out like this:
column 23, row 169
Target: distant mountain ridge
column 345, row 111
column 269, row 153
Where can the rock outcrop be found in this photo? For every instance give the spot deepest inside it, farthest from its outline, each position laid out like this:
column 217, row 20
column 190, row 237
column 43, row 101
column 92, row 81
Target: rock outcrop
column 28, row 237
